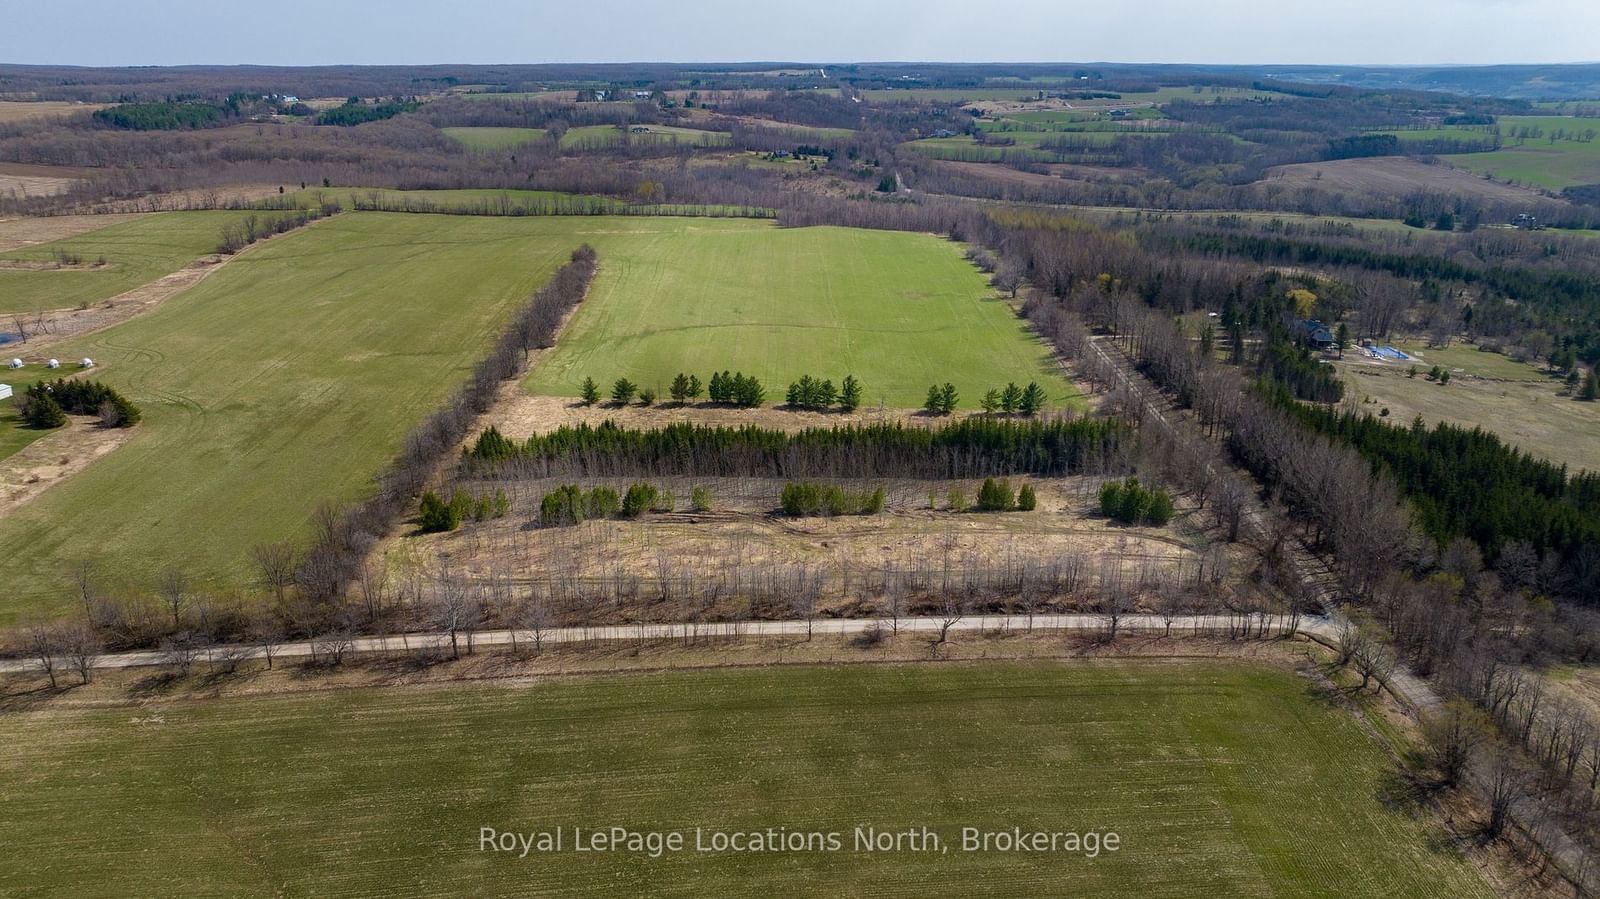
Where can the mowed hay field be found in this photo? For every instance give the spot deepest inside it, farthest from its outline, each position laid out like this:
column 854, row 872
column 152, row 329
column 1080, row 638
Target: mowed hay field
column 136, row 252
column 1220, row 779
column 900, row 311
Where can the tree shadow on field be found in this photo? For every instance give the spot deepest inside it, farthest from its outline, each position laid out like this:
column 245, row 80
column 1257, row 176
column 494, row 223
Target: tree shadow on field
column 160, row 683
column 22, row 700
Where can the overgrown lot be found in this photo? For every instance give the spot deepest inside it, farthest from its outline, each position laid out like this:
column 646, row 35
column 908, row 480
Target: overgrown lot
column 1221, row 779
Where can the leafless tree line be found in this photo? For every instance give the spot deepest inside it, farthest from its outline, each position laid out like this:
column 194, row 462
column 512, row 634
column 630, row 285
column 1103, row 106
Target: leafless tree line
column 343, row 538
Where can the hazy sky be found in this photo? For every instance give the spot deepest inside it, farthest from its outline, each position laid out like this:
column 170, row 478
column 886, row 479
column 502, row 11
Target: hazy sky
column 306, row 32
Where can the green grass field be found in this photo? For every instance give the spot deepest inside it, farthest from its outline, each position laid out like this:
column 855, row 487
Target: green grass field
column 138, row 252
column 1472, row 361
column 1531, row 151
column 484, row 138
column 1219, row 779
column 286, row 378
column 291, row 375
column 899, row 311
column 13, row 436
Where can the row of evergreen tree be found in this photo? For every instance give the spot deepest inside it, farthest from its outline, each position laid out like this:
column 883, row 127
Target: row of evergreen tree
column 811, row 393
column 971, row 447
column 1011, row 399
column 733, row 389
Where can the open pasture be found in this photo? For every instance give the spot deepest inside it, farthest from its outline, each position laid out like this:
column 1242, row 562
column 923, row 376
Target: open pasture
column 1219, row 779
column 899, row 311
column 135, row 251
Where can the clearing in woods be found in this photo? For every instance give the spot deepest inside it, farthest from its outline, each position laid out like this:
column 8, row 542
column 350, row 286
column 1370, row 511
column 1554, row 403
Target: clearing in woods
column 1219, row 778
column 900, row 311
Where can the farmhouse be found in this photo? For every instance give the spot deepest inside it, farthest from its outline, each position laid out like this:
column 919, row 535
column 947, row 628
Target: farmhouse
column 1314, row 333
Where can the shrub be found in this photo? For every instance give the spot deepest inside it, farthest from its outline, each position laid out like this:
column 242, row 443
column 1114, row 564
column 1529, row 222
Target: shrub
column 996, row 496
column 564, row 505
column 604, row 502
column 639, row 499
column 806, row 498
column 1026, row 500
column 647, row 397
column 956, row 499
column 700, row 499
column 1130, row 503
column 436, row 515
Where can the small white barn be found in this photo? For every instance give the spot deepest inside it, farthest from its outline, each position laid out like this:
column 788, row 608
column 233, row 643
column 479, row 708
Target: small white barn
column 86, row 362
column 14, row 363
column 5, row 391
column 53, row 363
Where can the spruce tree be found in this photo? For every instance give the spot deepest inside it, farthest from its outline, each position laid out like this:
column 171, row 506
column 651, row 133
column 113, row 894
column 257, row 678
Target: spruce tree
column 591, row 392
column 1032, row 399
column 1010, row 397
column 43, row 411
column 1591, row 386
column 934, row 404
column 680, row 388
column 947, row 398
column 622, row 392
column 694, row 387
column 850, row 394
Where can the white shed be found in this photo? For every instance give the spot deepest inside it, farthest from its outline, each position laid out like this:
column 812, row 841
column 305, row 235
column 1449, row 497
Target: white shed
column 5, row 391
column 16, row 363
column 53, row 363
column 86, row 362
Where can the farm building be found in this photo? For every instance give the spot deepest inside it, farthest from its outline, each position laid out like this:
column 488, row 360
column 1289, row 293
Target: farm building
column 5, row 391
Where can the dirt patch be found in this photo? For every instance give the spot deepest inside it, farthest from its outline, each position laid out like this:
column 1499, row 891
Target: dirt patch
column 53, row 458
column 519, row 415
column 26, row 231
column 1396, row 176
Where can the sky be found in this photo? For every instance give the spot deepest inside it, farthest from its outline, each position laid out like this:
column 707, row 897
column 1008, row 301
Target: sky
column 322, row 32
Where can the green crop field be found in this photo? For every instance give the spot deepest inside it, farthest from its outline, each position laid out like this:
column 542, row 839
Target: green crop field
column 493, row 138
column 136, row 253
column 1219, row 779
column 899, row 311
